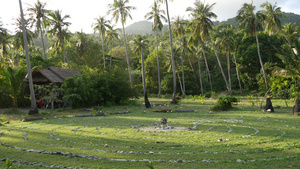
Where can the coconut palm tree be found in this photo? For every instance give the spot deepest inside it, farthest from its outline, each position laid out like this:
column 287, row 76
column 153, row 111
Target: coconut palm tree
column 174, row 101
column 225, row 41
column 157, row 14
column 139, row 44
column 39, row 12
column 178, row 26
column 292, row 31
column 101, row 26
column 5, row 41
column 18, row 37
column 272, row 21
column 111, row 35
column 120, row 10
column 57, row 24
column 32, row 95
column 201, row 20
column 252, row 23
column 237, row 41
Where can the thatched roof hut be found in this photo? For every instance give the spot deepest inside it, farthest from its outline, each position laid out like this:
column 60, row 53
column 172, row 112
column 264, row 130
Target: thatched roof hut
column 52, row 75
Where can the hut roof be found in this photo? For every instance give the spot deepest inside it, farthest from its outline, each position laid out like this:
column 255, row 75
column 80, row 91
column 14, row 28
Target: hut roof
column 53, row 75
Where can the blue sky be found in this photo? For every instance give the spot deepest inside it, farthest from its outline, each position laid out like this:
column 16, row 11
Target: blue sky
column 83, row 12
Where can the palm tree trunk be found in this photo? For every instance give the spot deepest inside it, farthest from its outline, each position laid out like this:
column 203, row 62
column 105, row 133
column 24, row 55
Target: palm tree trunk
column 207, row 68
column 44, row 49
column 190, row 61
column 260, row 60
column 200, row 76
column 220, row 65
column 158, row 67
column 127, row 57
column 110, row 60
column 174, row 101
column 180, row 82
column 182, row 67
column 103, row 50
column 228, row 67
column 64, row 53
column 147, row 103
column 32, row 95
column 237, row 73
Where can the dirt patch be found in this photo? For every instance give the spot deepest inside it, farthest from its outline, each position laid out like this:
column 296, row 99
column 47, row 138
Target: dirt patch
column 155, row 128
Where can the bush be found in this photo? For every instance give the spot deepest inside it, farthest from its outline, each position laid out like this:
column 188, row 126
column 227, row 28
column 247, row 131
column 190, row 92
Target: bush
column 224, row 103
column 105, row 88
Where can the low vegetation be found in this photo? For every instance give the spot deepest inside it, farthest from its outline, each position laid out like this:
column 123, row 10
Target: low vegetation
column 243, row 137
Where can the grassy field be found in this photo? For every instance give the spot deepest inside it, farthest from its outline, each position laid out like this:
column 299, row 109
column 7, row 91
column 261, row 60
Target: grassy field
column 245, row 137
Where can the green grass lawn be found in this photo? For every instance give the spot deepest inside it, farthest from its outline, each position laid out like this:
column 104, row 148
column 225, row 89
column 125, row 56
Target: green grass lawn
column 250, row 137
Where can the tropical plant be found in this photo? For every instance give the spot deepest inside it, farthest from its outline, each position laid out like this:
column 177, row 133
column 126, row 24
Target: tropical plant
column 5, row 41
column 112, row 34
column 252, row 23
column 120, row 11
column 174, row 101
column 201, row 20
column 38, row 12
column 101, row 26
column 179, row 29
column 272, row 21
column 57, row 24
column 32, row 95
column 157, row 15
column 139, row 45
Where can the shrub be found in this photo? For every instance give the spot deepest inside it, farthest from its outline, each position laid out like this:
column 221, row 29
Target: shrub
column 224, row 103
column 105, row 88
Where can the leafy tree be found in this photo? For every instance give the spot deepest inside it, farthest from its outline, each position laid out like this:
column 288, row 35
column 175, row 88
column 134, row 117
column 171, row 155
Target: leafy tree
column 5, row 41
column 252, row 23
column 120, row 11
column 174, row 101
column 157, row 15
column 38, row 12
column 292, row 31
column 57, row 23
column 101, row 26
column 139, row 44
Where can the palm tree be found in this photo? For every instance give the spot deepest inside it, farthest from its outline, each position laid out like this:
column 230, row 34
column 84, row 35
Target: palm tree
column 179, row 29
column 201, row 20
column 101, row 26
column 32, row 95
column 237, row 41
column 291, row 31
column 225, row 41
column 157, row 15
column 120, row 11
column 139, row 44
column 174, row 101
column 111, row 35
column 251, row 22
column 18, row 37
column 81, row 43
column 38, row 12
column 5, row 41
column 272, row 21
column 57, row 23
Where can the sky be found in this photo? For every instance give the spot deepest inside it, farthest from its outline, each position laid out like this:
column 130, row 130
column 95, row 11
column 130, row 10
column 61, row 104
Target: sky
column 83, row 13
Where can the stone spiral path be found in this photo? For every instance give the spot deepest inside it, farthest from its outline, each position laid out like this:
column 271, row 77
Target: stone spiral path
column 104, row 139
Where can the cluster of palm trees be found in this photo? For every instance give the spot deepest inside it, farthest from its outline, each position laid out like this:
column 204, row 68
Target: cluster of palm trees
column 195, row 36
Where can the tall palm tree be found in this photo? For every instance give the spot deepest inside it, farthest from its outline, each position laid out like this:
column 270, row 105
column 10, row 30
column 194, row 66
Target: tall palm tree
column 81, row 43
column 5, row 41
column 272, row 21
column 225, row 41
column 174, row 101
column 111, row 35
column 252, row 23
column 38, row 12
column 237, row 41
column 139, row 44
column 179, row 29
column 32, row 95
column 57, row 23
column 18, row 37
column 101, row 26
column 121, row 11
column 201, row 20
column 157, row 25
column 292, row 31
